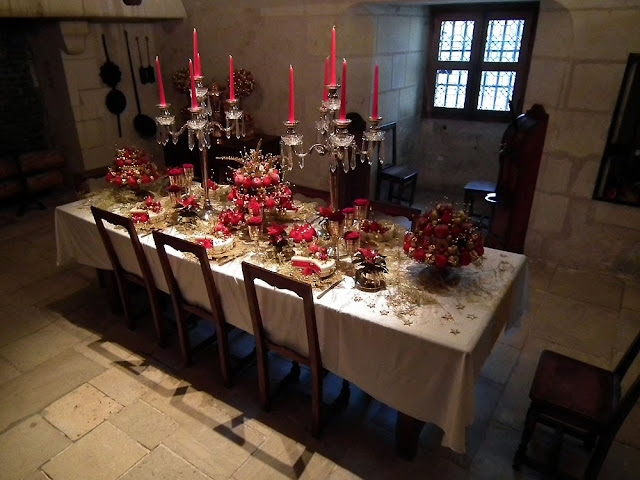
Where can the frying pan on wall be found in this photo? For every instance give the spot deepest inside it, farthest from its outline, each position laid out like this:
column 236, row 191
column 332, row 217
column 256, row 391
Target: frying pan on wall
column 151, row 76
column 144, row 125
column 111, row 75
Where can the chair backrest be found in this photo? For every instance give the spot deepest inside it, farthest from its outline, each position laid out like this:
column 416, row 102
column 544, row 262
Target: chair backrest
column 101, row 216
column 396, row 210
column 386, row 127
column 163, row 240
column 252, row 273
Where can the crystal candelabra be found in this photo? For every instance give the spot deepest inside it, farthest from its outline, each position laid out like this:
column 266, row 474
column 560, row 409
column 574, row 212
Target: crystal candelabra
column 335, row 140
column 201, row 128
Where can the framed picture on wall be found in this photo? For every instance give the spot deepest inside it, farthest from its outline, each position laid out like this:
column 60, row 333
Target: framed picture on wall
column 619, row 176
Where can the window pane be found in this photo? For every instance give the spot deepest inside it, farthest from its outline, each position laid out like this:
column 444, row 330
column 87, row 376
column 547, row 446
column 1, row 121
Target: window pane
column 455, row 41
column 504, row 38
column 451, row 88
column 496, row 89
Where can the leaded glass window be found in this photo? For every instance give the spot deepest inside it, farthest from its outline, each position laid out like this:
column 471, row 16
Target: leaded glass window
column 451, row 88
column 455, row 41
column 496, row 89
column 504, row 38
column 479, row 59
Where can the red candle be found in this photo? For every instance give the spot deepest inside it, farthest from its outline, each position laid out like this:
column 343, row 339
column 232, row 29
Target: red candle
column 194, row 98
column 343, row 92
column 195, row 51
column 232, row 93
column 333, row 56
column 292, row 117
column 160, row 86
column 197, row 69
column 325, row 92
column 374, row 109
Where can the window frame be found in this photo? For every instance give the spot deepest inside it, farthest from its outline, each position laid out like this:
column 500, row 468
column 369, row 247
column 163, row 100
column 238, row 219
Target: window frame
column 481, row 14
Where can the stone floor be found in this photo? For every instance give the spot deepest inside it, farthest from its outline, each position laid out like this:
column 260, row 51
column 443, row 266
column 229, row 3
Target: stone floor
column 82, row 397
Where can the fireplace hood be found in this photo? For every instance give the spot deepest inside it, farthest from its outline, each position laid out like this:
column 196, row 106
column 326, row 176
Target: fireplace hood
column 94, row 10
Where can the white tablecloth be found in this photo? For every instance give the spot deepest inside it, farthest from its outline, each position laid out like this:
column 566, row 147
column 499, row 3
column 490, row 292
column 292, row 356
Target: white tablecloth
column 422, row 369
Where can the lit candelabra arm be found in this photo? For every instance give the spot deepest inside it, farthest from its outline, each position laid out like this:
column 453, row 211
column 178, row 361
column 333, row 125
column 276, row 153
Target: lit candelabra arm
column 200, row 129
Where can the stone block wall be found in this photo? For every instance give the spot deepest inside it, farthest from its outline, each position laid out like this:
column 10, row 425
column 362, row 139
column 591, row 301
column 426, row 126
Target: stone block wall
column 578, row 63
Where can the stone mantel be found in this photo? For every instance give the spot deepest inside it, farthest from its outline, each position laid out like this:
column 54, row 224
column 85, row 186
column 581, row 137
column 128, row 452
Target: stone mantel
column 93, row 10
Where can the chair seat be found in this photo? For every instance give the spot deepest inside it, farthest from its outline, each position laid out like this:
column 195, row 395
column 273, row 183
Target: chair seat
column 480, row 187
column 398, row 173
column 570, row 387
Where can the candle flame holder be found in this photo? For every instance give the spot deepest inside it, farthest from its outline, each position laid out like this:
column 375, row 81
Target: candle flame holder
column 201, row 128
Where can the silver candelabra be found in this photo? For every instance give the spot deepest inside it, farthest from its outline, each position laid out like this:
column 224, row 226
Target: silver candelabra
column 201, row 128
column 335, row 140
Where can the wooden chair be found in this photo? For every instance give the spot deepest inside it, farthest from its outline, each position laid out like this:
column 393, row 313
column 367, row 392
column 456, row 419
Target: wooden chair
column 264, row 344
column 582, row 400
column 395, row 175
column 395, row 210
column 123, row 277
column 180, row 305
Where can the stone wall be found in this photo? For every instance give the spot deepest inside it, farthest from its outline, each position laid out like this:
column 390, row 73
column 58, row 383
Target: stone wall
column 578, row 62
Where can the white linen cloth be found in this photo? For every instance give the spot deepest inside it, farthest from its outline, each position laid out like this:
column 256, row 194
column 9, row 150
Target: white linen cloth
column 422, row 369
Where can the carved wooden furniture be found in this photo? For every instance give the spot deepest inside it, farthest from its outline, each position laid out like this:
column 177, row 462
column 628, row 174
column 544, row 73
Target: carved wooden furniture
column 264, row 344
column 579, row 399
column 123, row 277
column 400, row 178
column 520, row 155
column 215, row 314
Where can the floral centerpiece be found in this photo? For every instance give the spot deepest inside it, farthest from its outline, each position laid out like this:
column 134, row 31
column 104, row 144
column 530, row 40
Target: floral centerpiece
column 370, row 268
column 372, row 230
column 257, row 184
column 444, row 238
column 132, row 168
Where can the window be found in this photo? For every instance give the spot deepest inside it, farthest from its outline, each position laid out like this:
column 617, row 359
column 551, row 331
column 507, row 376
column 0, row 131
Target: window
column 479, row 60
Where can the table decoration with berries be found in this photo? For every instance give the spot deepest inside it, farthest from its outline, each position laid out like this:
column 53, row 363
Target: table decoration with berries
column 132, row 168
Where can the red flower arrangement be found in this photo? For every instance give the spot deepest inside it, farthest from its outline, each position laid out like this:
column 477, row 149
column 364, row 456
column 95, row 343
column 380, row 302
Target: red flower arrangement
column 231, row 218
column 373, row 227
column 303, row 233
column 132, row 168
column 277, row 236
column 444, row 237
column 367, row 260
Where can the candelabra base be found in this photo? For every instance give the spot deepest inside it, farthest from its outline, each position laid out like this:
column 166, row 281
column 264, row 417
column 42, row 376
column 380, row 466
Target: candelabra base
column 207, row 213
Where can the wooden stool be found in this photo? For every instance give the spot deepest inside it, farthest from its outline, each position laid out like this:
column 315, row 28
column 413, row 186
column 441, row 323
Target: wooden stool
column 475, row 189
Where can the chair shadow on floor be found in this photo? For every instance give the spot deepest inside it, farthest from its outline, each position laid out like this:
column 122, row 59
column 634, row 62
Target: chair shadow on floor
column 365, row 428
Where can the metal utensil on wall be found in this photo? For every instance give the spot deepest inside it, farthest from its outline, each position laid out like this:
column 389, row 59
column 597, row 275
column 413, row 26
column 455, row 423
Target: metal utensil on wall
column 142, row 71
column 151, row 76
column 111, row 75
column 144, row 124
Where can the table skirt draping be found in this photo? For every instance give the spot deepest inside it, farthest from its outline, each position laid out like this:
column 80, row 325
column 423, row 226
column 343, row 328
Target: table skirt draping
column 422, row 369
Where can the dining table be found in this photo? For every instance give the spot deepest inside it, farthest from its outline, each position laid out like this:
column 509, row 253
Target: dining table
column 417, row 346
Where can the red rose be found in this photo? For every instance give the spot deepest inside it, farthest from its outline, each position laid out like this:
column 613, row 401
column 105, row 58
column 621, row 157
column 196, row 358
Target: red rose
column 187, row 165
column 407, row 247
column 348, row 210
column 441, row 261
column 276, row 229
column 428, row 230
column 266, row 181
column 145, row 179
column 419, row 254
column 119, row 163
column 325, row 211
column 275, row 178
column 246, row 183
column 446, row 217
column 351, row 236
column 256, row 182
column 255, row 221
column 441, row 231
column 270, row 203
column 132, row 181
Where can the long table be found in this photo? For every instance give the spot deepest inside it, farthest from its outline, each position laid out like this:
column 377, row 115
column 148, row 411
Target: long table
column 423, row 365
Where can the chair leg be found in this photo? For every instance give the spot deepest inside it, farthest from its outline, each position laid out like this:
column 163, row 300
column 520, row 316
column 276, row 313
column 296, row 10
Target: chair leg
column 183, row 335
column 223, row 353
column 316, row 402
column 527, row 432
column 599, row 455
column 263, row 377
column 158, row 320
column 126, row 303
